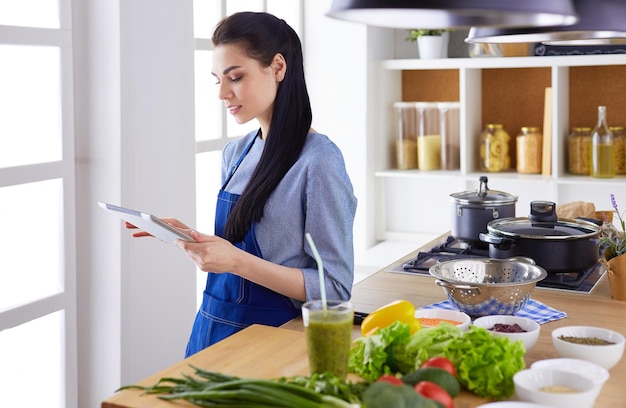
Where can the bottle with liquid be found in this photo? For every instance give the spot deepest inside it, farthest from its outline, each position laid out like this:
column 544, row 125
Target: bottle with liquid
column 602, row 148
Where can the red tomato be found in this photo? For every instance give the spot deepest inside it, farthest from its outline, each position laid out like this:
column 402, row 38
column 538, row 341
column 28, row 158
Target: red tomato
column 440, row 362
column 391, row 379
column 432, row 391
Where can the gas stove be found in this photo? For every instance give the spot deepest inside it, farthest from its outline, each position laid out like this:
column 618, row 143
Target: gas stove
column 450, row 248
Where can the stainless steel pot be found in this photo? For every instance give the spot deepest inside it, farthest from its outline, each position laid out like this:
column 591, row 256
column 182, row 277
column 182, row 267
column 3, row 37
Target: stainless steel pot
column 557, row 245
column 473, row 210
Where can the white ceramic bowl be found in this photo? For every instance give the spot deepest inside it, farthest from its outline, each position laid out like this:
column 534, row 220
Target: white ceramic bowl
column 604, row 355
column 529, row 382
column 454, row 315
column 594, row 372
column 512, row 404
column 529, row 337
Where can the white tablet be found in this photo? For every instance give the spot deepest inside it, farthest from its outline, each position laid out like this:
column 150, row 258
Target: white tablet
column 147, row 222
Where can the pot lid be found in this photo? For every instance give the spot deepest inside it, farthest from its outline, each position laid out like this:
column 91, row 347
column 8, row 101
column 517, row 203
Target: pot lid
column 543, row 224
column 484, row 195
column 524, row 228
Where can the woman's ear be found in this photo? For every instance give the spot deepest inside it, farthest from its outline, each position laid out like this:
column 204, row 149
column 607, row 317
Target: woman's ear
column 279, row 66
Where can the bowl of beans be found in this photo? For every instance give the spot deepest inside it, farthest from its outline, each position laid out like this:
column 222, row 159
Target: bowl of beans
column 434, row 317
column 515, row 328
column 601, row 346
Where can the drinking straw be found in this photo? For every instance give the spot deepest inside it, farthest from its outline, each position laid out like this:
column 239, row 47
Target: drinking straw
column 320, row 269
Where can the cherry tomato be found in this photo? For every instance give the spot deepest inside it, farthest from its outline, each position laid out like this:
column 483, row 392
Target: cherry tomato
column 391, row 379
column 440, row 362
column 432, row 391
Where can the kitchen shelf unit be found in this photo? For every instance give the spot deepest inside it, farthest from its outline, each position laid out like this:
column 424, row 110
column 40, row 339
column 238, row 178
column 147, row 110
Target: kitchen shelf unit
column 506, row 90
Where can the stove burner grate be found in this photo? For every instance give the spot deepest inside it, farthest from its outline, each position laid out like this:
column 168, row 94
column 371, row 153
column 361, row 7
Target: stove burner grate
column 452, row 249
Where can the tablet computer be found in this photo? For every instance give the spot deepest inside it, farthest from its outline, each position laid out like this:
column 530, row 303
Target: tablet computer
column 147, row 222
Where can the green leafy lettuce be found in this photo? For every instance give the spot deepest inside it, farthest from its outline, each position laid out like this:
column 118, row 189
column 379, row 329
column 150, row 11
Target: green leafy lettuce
column 368, row 356
column 424, row 344
column 485, row 364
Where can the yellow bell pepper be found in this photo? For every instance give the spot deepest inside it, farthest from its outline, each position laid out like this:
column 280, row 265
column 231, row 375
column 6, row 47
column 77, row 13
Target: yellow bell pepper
column 401, row 310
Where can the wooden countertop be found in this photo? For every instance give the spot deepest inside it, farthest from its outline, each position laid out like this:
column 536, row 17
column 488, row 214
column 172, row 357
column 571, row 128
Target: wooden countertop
column 267, row 352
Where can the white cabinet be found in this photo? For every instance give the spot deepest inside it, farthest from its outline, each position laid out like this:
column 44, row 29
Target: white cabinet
column 491, row 90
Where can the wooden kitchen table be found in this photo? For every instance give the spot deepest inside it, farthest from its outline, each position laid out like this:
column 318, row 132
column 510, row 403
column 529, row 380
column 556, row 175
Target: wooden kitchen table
column 266, row 352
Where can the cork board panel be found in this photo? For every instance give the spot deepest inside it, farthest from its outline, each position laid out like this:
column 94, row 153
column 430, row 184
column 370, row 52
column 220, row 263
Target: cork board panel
column 594, row 86
column 430, row 85
column 514, row 97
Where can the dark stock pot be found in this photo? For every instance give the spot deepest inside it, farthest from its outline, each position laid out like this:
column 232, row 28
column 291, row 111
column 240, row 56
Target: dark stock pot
column 473, row 210
column 557, row 245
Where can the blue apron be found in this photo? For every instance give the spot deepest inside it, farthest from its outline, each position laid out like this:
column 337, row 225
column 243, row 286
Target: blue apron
column 231, row 303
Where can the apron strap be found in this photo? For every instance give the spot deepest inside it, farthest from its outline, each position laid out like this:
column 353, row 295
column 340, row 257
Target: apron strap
column 243, row 155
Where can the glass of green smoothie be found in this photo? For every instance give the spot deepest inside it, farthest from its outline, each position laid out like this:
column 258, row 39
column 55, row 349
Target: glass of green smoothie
column 328, row 335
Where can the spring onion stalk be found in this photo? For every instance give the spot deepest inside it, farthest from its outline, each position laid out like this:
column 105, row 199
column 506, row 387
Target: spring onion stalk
column 210, row 389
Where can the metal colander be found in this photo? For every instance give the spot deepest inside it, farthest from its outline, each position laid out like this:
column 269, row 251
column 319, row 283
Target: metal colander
column 487, row 286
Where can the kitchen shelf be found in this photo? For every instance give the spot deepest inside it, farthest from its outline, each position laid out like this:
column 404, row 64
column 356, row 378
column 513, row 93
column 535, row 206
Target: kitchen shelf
column 508, row 62
column 491, row 90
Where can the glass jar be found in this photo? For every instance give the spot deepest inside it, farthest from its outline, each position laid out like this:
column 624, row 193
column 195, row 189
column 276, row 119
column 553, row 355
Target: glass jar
column 579, row 150
column 450, row 129
column 529, row 147
column 602, row 148
column 406, row 135
column 428, row 136
column 494, row 148
column 619, row 141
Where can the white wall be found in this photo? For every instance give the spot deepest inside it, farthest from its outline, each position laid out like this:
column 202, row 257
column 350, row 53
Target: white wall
column 336, row 62
column 135, row 146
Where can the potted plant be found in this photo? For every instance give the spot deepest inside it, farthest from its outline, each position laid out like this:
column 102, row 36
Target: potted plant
column 430, row 43
column 613, row 244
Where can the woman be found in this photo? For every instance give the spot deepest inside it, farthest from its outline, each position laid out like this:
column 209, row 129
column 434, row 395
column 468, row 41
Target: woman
column 279, row 183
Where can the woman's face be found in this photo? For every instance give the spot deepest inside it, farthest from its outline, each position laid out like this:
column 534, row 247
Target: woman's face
column 247, row 88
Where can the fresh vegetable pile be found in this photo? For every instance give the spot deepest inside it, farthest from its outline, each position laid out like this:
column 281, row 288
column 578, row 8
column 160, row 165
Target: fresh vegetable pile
column 402, row 364
column 485, row 364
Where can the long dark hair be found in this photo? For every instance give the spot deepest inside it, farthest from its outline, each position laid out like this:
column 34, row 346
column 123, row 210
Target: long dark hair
column 262, row 36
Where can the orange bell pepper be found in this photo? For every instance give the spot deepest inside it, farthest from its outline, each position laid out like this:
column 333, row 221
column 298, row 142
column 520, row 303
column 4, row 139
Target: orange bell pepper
column 401, row 310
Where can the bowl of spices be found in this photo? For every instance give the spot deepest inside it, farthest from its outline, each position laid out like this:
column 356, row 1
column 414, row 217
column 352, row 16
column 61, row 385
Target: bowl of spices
column 555, row 388
column 512, row 327
column 594, row 372
column 434, row 317
column 601, row 346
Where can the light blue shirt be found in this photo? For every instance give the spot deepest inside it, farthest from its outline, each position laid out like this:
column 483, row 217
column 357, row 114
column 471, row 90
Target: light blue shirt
column 315, row 196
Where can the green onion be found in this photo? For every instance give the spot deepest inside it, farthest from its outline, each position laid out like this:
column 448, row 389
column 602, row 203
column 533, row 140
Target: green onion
column 210, row 389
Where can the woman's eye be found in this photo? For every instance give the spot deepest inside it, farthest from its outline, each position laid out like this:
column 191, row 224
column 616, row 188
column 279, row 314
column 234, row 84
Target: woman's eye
column 236, row 79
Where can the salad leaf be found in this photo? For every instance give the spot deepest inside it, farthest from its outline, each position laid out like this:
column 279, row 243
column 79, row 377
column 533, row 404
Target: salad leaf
column 485, row 364
column 368, row 356
column 424, row 344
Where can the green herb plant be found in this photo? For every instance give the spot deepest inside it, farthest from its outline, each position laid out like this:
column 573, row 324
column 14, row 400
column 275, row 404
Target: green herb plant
column 414, row 34
column 612, row 240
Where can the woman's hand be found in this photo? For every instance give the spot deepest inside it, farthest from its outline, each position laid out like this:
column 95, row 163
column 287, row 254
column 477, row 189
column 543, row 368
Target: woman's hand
column 171, row 221
column 210, row 252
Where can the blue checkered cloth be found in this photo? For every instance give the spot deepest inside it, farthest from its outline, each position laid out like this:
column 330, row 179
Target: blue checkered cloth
column 533, row 309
